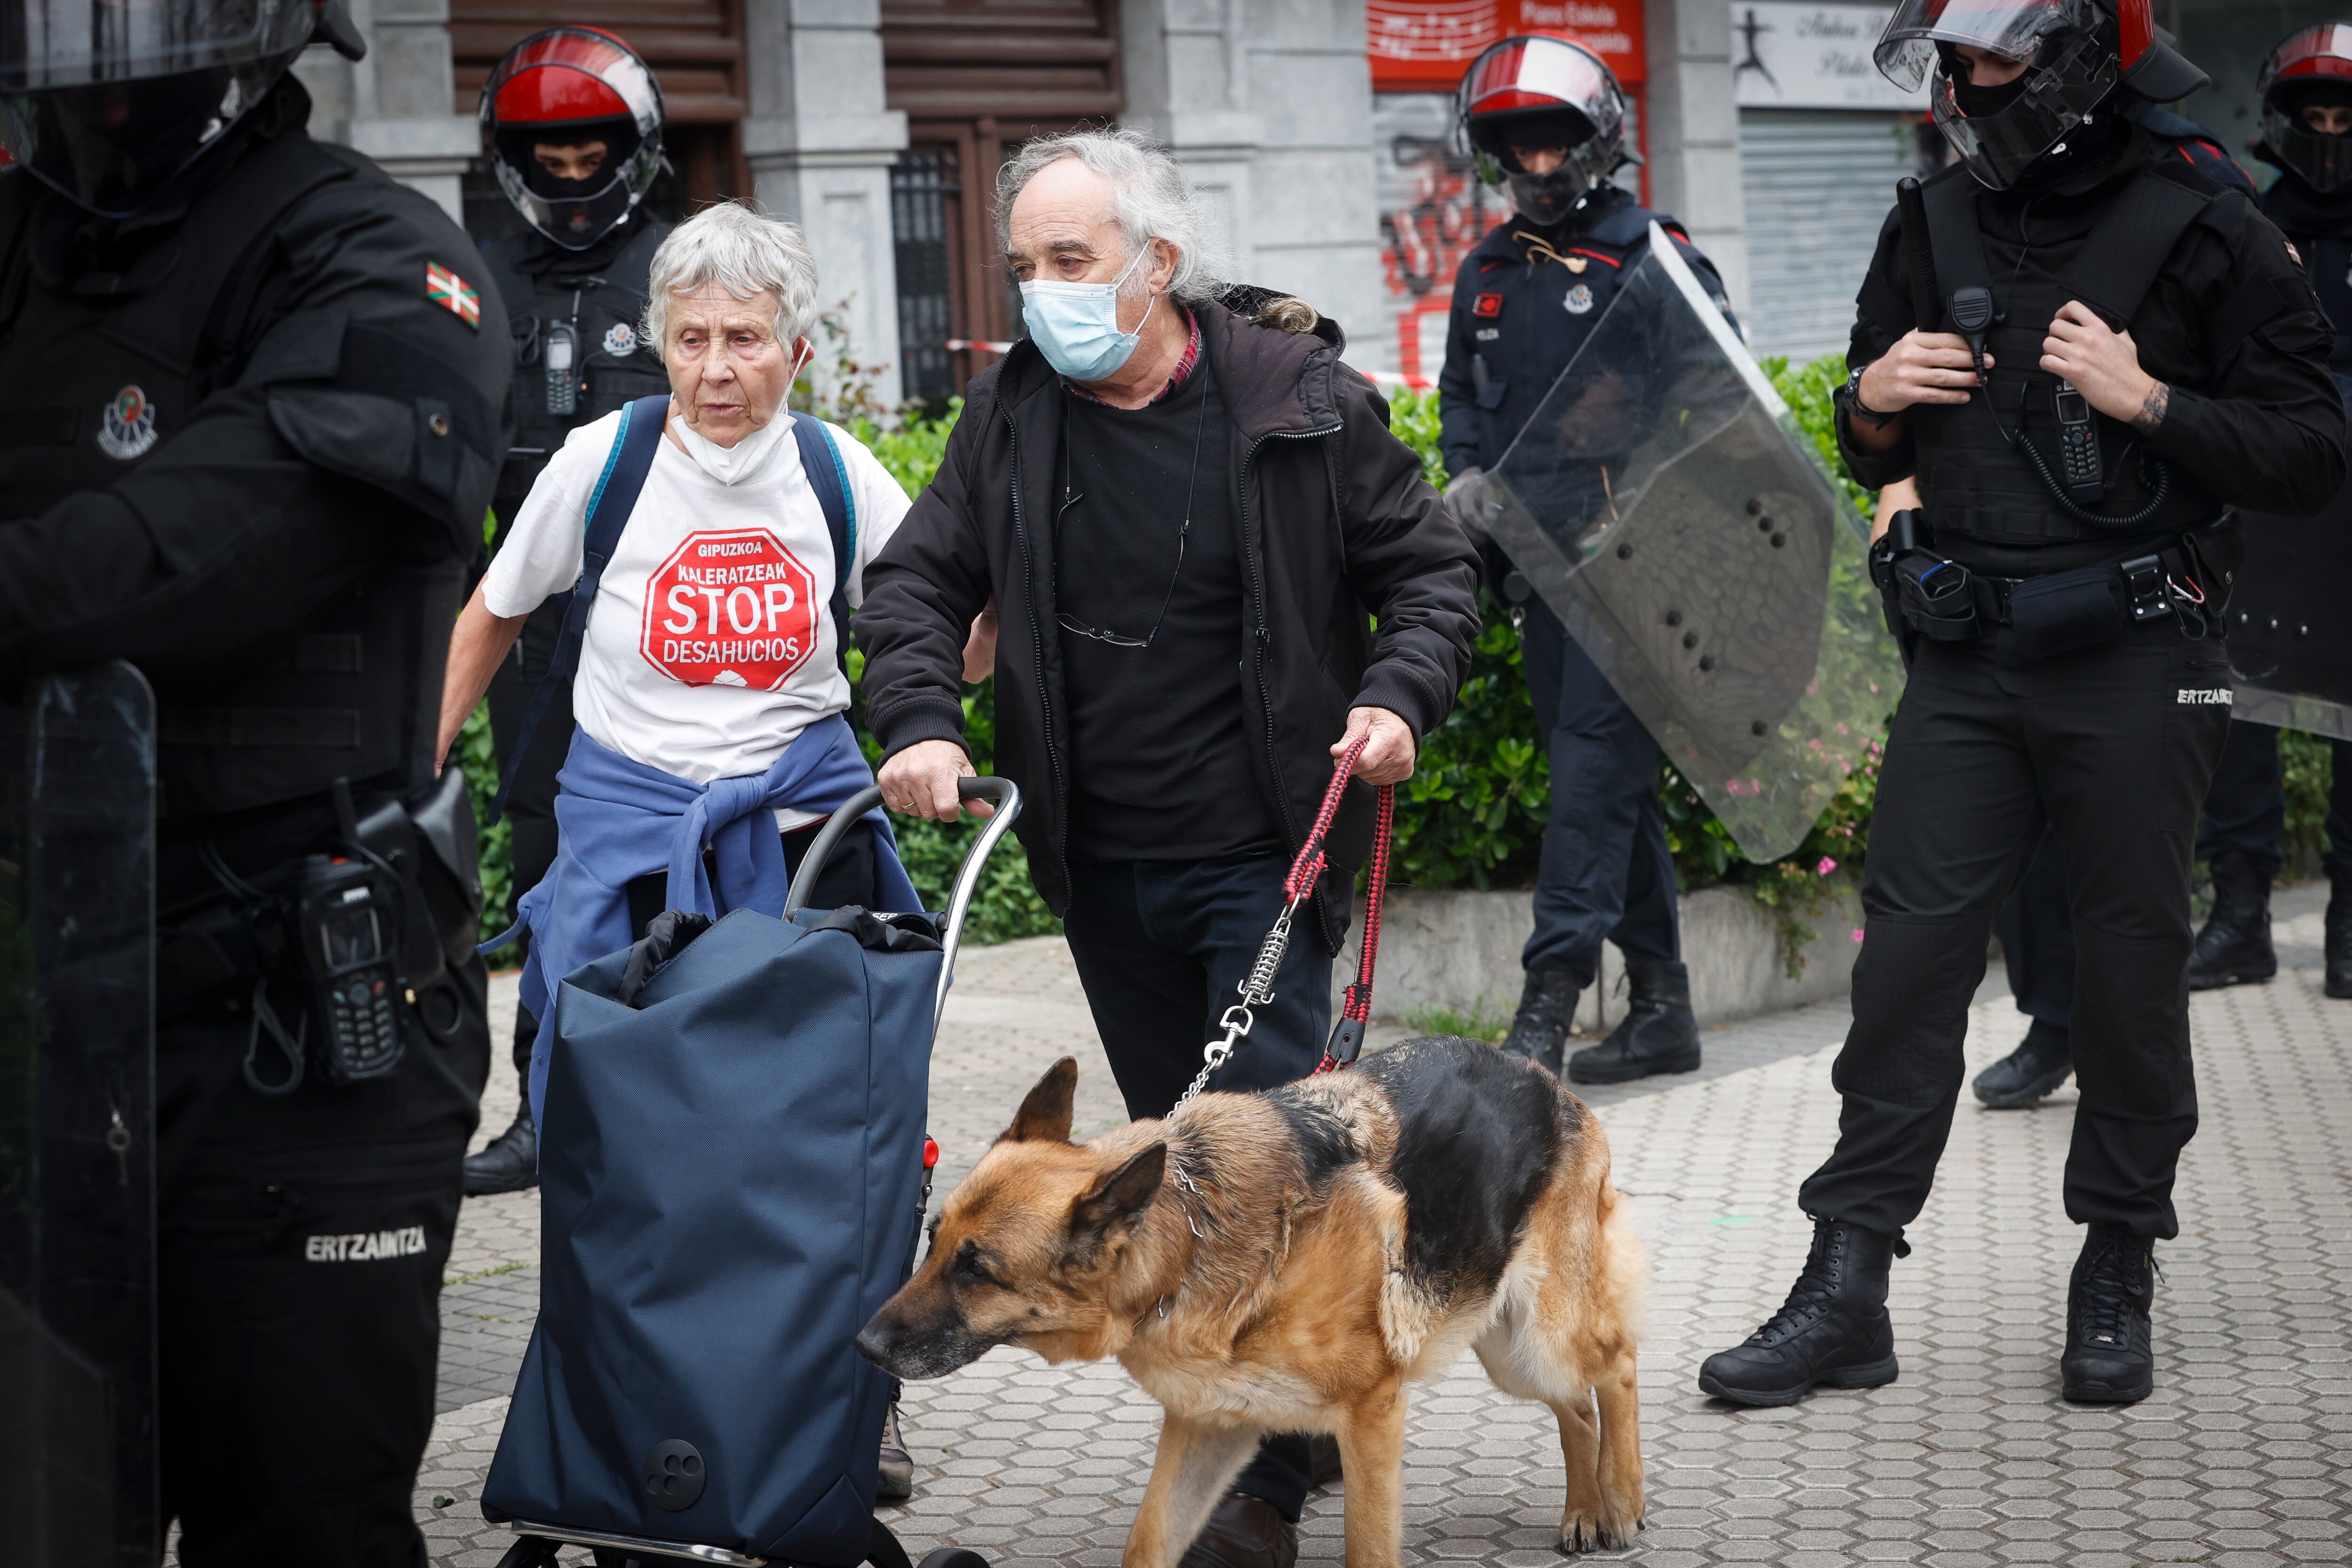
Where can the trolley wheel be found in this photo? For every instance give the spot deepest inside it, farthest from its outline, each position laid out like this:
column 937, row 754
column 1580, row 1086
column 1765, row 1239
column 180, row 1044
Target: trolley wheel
column 953, row 1557
column 530, row 1552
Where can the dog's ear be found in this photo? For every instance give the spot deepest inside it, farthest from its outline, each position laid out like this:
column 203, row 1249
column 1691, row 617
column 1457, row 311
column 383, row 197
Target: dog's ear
column 1044, row 1116
column 1116, row 1198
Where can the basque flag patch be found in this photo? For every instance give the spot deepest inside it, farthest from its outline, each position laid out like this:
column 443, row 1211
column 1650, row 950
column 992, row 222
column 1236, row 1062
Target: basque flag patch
column 453, row 293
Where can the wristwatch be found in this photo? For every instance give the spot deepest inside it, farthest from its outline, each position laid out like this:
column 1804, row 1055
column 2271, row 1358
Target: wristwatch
column 1854, row 399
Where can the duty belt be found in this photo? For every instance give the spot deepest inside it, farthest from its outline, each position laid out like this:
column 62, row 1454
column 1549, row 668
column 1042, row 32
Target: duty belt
column 1927, row 595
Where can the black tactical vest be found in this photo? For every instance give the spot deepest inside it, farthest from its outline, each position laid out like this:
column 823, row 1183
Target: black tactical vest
column 1974, row 478
column 97, row 369
column 598, row 306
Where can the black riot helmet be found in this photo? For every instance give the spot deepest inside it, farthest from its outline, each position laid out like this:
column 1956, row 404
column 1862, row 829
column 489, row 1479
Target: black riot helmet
column 107, row 100
column 572, row 88
column 1542, row 90
column 2311, row 69
column 2077, row 55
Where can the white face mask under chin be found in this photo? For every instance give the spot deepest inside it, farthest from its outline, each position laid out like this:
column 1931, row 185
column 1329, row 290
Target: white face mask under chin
column 732, row 465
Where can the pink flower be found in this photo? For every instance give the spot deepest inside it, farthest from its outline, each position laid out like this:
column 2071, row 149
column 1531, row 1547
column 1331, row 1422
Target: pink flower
column 1825, row 867
column 1857, row 933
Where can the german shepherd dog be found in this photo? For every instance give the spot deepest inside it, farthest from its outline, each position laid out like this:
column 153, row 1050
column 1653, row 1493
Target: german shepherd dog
column 1289, row 1260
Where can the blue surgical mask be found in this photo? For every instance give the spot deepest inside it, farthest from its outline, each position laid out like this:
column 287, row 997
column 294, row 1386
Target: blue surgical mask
column 1075, row 325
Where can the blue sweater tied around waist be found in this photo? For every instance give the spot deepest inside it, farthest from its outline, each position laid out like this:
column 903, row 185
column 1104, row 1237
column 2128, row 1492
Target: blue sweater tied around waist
column 618, row 819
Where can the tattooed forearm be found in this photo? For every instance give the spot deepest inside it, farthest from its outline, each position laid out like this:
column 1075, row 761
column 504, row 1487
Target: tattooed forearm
column 2151, row 411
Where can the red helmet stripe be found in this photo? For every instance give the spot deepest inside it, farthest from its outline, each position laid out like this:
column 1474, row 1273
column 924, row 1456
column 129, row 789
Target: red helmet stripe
column 2135, row 26
column 548, row 92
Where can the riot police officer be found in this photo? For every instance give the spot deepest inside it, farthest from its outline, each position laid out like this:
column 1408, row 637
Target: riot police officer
column 255, row 388
column 2306, row 93
column 572, row 124
column 1544, row 117
column 2120, row 351
column 2035, row 928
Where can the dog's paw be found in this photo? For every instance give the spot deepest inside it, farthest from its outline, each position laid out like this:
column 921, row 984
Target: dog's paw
column 1579, row 1533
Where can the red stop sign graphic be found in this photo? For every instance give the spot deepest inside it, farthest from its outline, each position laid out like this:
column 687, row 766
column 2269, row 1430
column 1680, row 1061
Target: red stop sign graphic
column 731, row 609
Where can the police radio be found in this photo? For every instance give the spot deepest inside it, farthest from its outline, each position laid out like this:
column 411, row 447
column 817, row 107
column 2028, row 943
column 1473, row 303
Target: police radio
column 2078, row 444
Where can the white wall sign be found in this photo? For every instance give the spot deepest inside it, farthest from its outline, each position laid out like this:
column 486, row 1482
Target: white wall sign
column 1794, row 55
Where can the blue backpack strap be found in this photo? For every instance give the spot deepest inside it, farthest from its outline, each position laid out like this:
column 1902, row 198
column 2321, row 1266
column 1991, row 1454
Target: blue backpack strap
column 609, row 506
column 821, row 462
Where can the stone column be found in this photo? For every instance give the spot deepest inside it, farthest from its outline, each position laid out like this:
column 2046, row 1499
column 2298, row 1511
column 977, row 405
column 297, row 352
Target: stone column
column 396, row 105
column 821, row 144
column 1268, row 104
column 1693, row 133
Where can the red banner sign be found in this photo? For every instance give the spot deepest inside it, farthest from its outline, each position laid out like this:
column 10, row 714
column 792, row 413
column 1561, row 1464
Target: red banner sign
column 1424, row 46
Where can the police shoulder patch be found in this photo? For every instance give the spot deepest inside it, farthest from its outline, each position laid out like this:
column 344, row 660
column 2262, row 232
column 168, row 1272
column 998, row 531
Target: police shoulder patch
column 453, row 294
column 2292, row 254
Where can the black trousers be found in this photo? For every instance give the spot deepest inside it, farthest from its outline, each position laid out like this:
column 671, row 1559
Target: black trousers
column 1163, row 947
column 1605, row 872
column 2037, row 938
column 2111, row 748
column 531, row 804
column 301, row 1246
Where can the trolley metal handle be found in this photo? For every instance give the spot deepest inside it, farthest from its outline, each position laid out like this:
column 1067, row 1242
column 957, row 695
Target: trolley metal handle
column 1003, row 794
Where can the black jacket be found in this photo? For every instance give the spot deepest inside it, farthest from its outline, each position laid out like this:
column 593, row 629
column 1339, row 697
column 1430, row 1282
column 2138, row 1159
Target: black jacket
column 2230, row 324
column 1338, row 526
column 1524, row 302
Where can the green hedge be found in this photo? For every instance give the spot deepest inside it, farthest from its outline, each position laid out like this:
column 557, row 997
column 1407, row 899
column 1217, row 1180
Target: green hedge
column 1473, row 813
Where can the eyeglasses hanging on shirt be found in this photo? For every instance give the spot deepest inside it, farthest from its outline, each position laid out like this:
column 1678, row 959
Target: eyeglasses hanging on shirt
column 1071, row 496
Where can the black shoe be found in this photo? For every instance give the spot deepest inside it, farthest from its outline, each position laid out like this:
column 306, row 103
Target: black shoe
column 2042, row 1061
column 1244, row 1531
column 894, row 1481
column 1657, row 1033
column 2108, row 1358
column 1546, row 1007
column 2338, row 940
column 509, row 1163
column 2234, row 946
column 1833, row 1329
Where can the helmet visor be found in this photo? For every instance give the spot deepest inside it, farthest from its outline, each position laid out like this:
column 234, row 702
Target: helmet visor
column 112, row 148
column 2053, row 98
column 2014, row 29
column 48, row 44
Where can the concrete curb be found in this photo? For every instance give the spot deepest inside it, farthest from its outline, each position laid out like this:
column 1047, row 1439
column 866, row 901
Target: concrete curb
column 1459, row 952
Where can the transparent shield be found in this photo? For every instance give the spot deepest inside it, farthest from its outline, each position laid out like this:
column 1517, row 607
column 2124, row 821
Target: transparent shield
column 1664, row 504
column 2289, row 643
column 77, row 1122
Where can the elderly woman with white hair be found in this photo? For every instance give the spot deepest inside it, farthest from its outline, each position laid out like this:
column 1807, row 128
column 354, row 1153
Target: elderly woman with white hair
column 710, row 694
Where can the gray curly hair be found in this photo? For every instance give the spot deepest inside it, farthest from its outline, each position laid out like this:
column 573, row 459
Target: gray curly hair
column 743, row 250
column 1156, row 199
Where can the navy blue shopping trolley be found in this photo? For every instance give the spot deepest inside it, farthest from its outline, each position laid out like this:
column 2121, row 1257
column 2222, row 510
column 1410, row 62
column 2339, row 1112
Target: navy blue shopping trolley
column 733, row 1181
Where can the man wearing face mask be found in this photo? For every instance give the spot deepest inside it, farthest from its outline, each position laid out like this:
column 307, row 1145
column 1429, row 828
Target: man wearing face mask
column 1184, row 508
column 1545, row 118
column 2121, row 350
column 572, row 123
column 254, row 388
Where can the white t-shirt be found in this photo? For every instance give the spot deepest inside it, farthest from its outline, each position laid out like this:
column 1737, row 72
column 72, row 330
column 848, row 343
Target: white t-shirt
column 709, row 647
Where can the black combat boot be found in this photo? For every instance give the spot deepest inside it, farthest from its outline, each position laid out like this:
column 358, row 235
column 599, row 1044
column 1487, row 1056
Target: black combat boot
column 1546, row 1007
column 508, row 1162
column 2235, row 945
column 2108, row 1358
column 1834, row 1328
column 2338, row 927
column 1657, row 1033
column 2042, row 1061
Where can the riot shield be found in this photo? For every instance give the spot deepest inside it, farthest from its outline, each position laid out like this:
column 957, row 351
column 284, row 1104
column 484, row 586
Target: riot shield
column 1664, row 504
column 77, row 1123
column 2290, row 642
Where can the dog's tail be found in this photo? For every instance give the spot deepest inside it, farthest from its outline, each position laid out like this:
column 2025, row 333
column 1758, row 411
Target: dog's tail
column 1624, row 1260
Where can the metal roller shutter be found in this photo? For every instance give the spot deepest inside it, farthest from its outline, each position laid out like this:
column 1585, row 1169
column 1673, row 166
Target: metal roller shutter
column 1818, row 185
